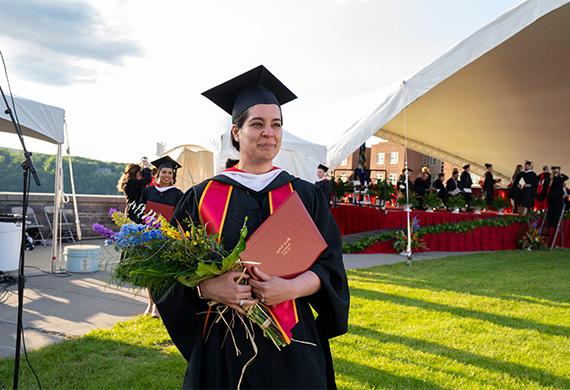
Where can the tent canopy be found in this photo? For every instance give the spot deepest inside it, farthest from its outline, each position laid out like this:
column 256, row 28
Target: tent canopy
column 37, row 120
column 500, row 96
column 197, row 164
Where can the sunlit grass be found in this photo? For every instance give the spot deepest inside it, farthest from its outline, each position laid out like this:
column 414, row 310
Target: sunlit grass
column 497, row 320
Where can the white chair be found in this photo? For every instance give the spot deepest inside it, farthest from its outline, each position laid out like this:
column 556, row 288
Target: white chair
column 32, row 224
column 65, row 225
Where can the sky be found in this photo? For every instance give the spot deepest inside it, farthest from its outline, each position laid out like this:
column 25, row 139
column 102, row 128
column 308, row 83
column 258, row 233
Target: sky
column 130, row 73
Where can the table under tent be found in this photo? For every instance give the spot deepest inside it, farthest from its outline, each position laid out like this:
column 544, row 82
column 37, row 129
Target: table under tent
column 47, row 123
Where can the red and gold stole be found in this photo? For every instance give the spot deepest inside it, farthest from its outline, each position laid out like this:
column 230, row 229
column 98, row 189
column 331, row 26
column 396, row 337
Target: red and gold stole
column 213, row 208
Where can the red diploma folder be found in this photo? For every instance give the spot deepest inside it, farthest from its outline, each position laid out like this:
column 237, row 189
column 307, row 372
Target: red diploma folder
column 163, row 209
column 287, row 243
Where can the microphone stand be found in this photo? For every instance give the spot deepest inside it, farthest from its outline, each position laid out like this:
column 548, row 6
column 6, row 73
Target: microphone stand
column 27, row 167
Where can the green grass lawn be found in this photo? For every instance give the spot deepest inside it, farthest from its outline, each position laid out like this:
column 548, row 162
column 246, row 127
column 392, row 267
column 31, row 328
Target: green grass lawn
column 497, row 320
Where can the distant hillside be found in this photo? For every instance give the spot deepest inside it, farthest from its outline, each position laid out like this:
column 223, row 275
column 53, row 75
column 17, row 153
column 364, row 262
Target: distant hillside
column 91, row 176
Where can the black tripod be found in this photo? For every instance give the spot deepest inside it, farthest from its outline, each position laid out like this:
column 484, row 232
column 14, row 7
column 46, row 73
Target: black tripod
column 27, row 167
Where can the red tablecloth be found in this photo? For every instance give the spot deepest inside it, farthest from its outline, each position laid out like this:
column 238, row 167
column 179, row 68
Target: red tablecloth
column 355, row 219
column 487, row 238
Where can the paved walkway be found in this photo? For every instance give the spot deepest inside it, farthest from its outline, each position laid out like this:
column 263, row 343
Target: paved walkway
column 57, row 307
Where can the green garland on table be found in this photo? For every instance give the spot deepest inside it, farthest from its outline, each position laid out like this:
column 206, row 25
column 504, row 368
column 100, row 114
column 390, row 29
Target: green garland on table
column 457, row 227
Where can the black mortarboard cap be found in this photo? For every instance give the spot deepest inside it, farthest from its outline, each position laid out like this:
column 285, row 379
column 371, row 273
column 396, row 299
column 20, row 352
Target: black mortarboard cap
column 256, row 86
column 466, row 166
column 528, row 162
column 556, row 168
column 166, row 162
column 323, row 167
column 488, row 165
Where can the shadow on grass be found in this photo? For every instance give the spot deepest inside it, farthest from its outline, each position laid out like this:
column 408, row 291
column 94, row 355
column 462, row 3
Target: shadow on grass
column 95, row 363
column 508, row 275
column 372, row 377
column 511, row 322
column 539, row 376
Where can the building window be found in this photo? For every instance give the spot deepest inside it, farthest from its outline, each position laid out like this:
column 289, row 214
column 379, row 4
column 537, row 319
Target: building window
column 344, row 162
column 380, row 176
column 393, row 178
column 379, row 158
column 394, row 158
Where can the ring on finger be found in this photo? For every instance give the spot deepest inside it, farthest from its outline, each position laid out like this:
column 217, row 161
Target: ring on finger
column 240, row 302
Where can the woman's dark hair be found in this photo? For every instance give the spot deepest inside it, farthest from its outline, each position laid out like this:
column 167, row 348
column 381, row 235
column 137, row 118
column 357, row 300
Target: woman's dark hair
column 240, row 121
column 230, row 162
column 130, row 173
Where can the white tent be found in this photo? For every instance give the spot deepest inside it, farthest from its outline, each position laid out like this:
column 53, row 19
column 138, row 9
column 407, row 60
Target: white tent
column 47, row 123
column 501, row 96
column 197, row 164
column 297, row 156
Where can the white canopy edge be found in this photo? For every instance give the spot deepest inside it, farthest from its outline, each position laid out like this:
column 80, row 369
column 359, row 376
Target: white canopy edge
column 37, row 120
column 394, row 99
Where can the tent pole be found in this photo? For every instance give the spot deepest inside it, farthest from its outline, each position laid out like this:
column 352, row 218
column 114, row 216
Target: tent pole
column 56, row 203
column 409, row 208
column 75, row 209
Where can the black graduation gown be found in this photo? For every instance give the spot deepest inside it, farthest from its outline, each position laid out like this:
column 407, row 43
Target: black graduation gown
column 213, row 363
column 133, row 190
column 556, row 199
column 170, row 197
column 528, row 193
column 465, row 183
column 421, row 186
column 325, row 187
column 451, row 185
column 489, row 187
column 402, row 184
column 441, row 190
column 515, row 191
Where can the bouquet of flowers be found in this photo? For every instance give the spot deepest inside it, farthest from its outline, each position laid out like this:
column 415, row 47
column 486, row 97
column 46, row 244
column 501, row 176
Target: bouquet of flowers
column 400, row 243
column 156, row 255
column 531, row 239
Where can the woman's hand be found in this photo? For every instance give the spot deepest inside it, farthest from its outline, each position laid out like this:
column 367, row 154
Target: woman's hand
column 272, row 290
column 224, row 289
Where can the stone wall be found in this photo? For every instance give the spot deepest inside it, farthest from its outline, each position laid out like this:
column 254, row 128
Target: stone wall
column 92, row 208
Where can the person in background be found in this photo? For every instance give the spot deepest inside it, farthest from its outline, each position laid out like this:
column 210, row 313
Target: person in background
column 132, row 182
column 442, row 192
column 527, row 183
column 542, row 189
column 425, row 170
column 164, row 193
column 402, row 181
column 514, row 191
column 153, row 181
column 489, row 184
column 556, row 195
column 465, row 183
column 323, row 183
column 452, row 184
column 421, row 186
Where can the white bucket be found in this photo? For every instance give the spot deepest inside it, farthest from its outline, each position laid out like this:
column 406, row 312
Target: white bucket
column 10, row 244
column 82, row 258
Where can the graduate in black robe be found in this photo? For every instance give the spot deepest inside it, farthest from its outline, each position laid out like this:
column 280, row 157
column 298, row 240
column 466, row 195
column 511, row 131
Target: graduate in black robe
column 528, row 189
column 452, row 184
column 442, row 192
column 212, row 361
column 323, row 183
column 421, row 186
column 165, row 192
column 465, row 183
column 555, row 198
column 514, row 191
column 489, row 184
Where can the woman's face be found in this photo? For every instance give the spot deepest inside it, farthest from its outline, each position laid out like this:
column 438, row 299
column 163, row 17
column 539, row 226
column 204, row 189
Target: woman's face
column 166, row 177
column 260, row 137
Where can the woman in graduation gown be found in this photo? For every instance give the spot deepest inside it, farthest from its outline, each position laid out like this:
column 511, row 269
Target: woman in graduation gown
column 163, row 197
column 254, row 100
